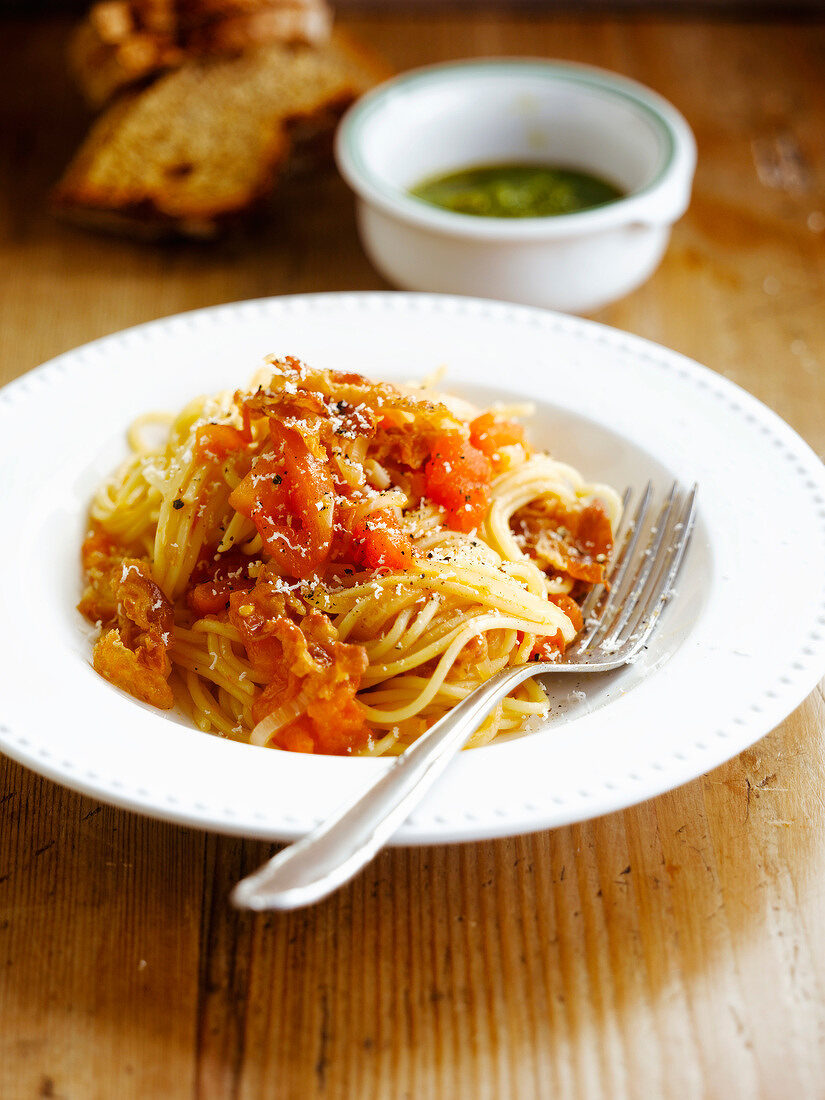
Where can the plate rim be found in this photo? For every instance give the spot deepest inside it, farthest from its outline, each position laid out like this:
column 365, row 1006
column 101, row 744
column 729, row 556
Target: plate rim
column 18, row 746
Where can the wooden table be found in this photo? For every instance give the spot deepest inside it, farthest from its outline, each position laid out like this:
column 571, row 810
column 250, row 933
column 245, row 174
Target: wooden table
column 673, row 950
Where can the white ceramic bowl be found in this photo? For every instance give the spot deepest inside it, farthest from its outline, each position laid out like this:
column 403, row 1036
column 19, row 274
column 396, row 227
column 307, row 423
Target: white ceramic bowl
column 448, row 117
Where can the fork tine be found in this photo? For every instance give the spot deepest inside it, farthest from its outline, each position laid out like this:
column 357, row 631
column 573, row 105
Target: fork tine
column 648, row 567
column 627, row 538
column 665, row 576
column 654, row 579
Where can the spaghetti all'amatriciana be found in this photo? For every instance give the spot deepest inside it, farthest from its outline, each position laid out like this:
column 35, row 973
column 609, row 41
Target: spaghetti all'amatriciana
column 326, row 564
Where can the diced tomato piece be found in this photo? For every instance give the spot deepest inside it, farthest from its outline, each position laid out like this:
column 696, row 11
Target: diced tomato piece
column 334, row 727
column 571, row 609
column 489, row 433
column 591, row 572
column 215, row 581
column 594, row 535
column 213, row 442
column 289, row 496
column 97, row 544
column 378, row 541
column 457, row 476
column 592, row 541
column 338, row 722
column 263, row 485
column 296, row 737
column 209, row 598
column 548, row 648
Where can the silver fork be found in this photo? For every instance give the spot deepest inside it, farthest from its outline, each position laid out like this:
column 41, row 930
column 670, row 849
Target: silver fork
column 619, row 619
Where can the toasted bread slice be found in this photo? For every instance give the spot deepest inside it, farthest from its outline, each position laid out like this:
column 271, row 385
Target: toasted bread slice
column 206, row 141
column 105, row 56
column 274, row 23
column 125, row 43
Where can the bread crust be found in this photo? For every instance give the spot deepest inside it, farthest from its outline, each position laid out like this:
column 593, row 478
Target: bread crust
column 205, row 143
column 281, row 23
column 122, row 43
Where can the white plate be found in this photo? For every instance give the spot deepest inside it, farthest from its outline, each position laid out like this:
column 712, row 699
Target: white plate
column 741, row 645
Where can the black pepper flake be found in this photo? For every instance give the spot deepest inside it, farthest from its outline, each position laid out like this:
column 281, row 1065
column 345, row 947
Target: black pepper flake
column 277, row 479
column 177, row 503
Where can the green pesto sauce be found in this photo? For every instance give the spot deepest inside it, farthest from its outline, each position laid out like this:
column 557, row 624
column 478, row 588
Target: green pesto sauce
column 516, row 191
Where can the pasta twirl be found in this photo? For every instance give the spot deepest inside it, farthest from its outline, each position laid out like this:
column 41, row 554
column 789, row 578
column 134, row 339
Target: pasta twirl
column 327, row 564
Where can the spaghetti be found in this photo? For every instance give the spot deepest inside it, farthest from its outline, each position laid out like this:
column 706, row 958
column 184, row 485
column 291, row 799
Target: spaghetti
column 326, row 564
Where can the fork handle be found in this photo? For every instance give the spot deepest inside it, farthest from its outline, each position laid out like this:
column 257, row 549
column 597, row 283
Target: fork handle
column 336, row 851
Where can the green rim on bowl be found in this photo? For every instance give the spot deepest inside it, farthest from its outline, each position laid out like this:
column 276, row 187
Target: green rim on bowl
column 665, row 121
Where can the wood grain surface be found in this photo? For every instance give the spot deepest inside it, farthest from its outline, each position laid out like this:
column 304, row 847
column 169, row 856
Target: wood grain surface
column 674, row 950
